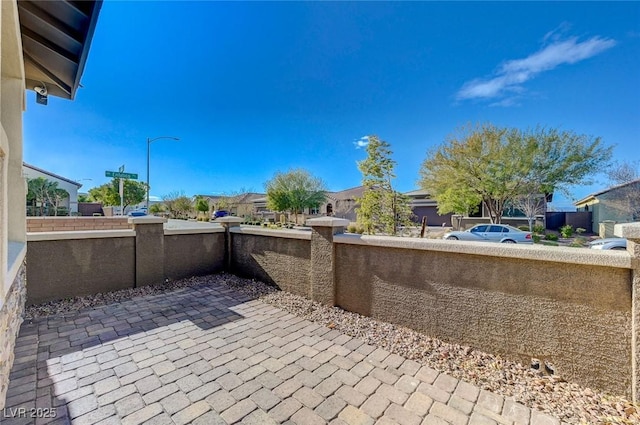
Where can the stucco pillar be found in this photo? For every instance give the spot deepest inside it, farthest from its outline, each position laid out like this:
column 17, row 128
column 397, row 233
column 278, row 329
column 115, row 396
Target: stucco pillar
column 631, row 231
column 323, row 257
column 228, row 222
column 149, row 249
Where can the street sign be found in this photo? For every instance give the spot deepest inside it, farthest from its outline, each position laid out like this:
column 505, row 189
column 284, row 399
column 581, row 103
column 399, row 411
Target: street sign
column 120, row 175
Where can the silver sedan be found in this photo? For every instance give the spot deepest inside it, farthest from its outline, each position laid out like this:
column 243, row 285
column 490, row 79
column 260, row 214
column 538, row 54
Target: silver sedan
column 616, row 244
column 491, row 233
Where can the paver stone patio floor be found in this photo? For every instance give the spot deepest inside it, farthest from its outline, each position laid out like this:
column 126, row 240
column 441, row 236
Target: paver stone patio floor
column 210, row 355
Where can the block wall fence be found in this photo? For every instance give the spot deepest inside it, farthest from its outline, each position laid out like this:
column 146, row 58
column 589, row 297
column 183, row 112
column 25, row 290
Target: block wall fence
column 66, row 224
column 574, row 308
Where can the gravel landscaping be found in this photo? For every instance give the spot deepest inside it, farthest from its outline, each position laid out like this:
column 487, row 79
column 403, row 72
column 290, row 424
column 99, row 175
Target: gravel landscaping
column 550, row 393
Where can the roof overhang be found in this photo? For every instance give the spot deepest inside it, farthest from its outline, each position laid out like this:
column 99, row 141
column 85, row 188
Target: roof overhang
column 585, row 201
column 56, row 36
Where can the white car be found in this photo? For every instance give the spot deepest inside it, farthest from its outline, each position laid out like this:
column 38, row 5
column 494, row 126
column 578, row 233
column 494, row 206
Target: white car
column 491, row 233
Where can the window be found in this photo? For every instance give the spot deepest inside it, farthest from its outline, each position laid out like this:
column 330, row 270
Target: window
column 479, row 229
column 496, row 229
column 329, row 209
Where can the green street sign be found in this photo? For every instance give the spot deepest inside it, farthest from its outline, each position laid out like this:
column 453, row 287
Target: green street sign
column 121, row 175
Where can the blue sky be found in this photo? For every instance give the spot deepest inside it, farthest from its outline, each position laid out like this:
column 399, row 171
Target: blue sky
column 253, row 88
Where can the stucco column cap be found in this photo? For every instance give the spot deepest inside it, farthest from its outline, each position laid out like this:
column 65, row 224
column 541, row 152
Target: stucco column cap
column 230, row 220
column 148, row 219
column 627, row 230
column 327, row 222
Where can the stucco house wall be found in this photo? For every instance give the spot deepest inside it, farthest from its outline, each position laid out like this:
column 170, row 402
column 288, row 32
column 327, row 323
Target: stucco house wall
column 610, row 204
column 12, row 188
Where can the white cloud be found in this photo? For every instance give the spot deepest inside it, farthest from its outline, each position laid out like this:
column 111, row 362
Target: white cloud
column 509, row 77
column 361, row 142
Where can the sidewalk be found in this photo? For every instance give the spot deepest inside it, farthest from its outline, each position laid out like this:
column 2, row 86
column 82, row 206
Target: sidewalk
column 208, row 355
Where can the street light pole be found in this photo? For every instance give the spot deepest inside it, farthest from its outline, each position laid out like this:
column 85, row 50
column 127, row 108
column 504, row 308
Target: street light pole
column 149, row 141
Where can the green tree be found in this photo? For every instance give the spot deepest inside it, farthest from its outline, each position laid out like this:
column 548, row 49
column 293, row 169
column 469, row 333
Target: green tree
column 109, row 193
column 382, row 208
column 499, row 165
column 294, row 191
column 202, row 205
column 39, row 192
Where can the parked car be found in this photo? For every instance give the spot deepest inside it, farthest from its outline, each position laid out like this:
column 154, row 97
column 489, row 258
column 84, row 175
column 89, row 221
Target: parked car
column 617, row 244
column 219, row 213
column 491, row 233
column 137, row 213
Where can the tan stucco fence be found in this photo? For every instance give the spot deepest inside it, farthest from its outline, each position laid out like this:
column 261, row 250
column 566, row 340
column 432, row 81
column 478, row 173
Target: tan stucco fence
column 574, row 308
column 64, row 224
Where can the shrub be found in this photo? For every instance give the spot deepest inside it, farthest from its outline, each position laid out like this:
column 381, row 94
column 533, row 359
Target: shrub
column 551, row 237
column 524, row 228
column 539, row 228
column 536, row 238
column 352, row 228
column 579, row 241
column 580, row 230
column 566, row 231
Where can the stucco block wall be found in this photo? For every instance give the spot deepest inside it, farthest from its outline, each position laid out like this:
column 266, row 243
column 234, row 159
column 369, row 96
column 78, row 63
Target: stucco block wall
column 75, row 267
column 193, row 254
column 279, row 261
column 578, row 317
column 62, row 224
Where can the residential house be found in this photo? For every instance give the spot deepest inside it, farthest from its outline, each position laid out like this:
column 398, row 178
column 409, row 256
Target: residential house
column 70, row 203
column 341, row 204
column 241, row 205
column 43, row 45
column 616, row 204
column 423, row 205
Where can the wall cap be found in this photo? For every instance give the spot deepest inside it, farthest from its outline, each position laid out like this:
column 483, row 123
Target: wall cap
column 617, row 259
column 147, row 219
column 192, row 230
column 230, row 219
column 15, row 257
column 79, row 234
column 291, row 234
column 327, row 222
column 78, row 217
column 627, row 230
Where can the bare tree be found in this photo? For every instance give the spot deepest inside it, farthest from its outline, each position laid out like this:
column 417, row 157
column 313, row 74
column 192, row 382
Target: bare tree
column 531, row 205
column 178, row 205
column 623, row 172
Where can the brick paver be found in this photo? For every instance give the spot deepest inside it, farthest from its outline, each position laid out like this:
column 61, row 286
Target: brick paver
column 209, row 355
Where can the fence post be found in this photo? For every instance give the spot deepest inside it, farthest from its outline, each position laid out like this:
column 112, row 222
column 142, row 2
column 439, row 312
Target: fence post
column 631, row 231
column 228, row 222
column 323, row 257
column 149, row 249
